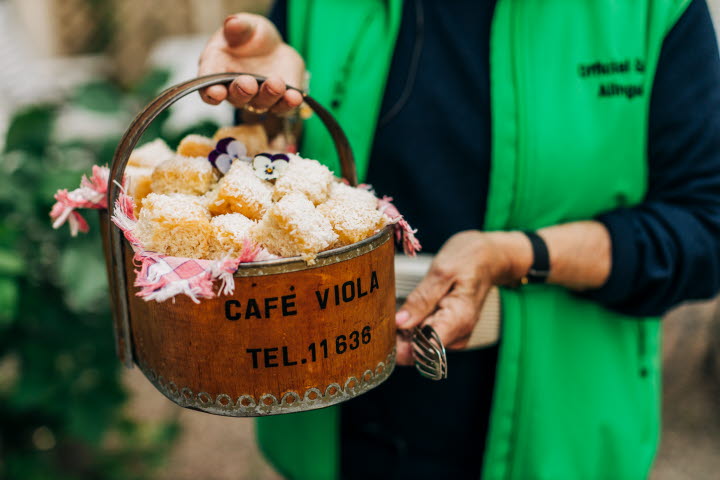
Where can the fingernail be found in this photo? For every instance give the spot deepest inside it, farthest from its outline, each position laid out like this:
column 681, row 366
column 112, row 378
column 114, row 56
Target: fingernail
column 241, row 89
column 402, row 318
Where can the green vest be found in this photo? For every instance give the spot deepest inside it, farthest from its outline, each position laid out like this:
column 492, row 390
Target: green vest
column 578, row 386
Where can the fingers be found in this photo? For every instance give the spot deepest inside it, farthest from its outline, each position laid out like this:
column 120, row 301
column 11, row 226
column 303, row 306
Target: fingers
column 271, row 95
column 423, row 301
column 271, row 91
column 214, row 95
column 291, row 100
column 403, row 348
column 242, row 90
column 453, row 322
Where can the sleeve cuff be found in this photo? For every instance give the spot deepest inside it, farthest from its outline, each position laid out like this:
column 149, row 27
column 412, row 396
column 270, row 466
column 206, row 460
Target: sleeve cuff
column 624, row 260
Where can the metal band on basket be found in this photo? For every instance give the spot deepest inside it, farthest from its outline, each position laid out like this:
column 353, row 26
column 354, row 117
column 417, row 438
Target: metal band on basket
column 117, row 278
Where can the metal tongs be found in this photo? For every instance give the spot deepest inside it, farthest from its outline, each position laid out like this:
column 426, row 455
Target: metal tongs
column 429, row 353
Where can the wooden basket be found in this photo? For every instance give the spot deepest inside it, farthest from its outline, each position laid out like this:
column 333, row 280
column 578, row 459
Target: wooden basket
column 291, row 338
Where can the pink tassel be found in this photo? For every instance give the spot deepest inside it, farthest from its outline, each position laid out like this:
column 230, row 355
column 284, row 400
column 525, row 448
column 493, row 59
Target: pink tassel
column 91, row 194
column 124, row 217
column 404, row 233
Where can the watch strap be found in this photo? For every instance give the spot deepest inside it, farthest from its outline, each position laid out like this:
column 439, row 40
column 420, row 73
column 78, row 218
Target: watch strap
column 540, row 268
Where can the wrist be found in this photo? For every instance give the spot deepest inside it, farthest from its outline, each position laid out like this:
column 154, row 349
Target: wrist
column 516, row 256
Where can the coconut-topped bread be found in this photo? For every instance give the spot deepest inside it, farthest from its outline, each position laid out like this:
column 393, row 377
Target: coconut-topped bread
column 230, row 232
column 293, row 226
column 196, row 146
column 189, row 175
column 240, row 191
column 151, row 154
column 176, row 224
column 214, row 195
column 305, row 176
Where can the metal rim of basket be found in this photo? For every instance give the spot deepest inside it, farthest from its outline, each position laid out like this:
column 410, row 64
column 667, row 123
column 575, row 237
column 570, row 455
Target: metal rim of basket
column 142, row 121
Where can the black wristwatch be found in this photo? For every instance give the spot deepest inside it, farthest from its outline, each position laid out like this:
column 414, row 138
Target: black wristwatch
column 540, row 268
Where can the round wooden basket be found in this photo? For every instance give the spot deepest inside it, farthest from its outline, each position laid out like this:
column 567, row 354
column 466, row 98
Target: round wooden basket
column 291, row 338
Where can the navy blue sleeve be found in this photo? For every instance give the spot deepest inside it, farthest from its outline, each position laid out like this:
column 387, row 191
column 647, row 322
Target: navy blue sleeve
column 667, row 249
column 278, row 15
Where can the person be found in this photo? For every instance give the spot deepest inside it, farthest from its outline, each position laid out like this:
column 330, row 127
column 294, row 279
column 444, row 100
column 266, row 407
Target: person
column 583, row 134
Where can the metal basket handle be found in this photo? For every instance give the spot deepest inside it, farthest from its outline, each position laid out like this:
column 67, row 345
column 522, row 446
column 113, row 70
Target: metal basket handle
column 128, row 142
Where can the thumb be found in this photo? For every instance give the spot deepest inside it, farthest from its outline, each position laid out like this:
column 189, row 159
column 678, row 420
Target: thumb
column 238, row 29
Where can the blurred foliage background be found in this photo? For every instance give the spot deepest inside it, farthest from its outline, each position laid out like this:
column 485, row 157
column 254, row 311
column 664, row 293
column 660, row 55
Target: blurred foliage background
column 60, row 390
column 73, row 75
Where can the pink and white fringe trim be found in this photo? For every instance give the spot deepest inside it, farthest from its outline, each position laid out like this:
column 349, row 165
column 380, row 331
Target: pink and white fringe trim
column 91, row 194
column 404, row 233
column 162, row 276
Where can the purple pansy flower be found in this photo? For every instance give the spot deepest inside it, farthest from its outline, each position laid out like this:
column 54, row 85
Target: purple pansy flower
column 226, row 151
column 268, row 166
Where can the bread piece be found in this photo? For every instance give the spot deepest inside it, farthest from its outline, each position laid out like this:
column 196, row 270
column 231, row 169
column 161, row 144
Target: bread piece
column 229, row 233
column 151, row 154
column 176, row 225
column 190, row 175
column 138, row 182
column 293, row 227
column 240, row 191
column 305, row 176
column 196, row 146
column 353, row 217
column 252, row 135
column 360, row 197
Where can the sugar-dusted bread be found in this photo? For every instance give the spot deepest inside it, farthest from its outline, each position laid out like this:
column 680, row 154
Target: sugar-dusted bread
column 229, row 233
column 252, row 135
column 293, row 227
column 196, row 146
column 305, row 176
column 340, row 192
column 177, row 225
column 151, row 154
column 353, row 213
column 351, row 221
column 190, row 175
column 138, row 182
column 240, row 191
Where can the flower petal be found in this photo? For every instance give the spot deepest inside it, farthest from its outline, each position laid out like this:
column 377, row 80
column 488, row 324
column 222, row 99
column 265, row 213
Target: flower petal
column 212, row 157
column 280, row 156
column 236, row 149
column 223, row 163
column 222, row 144
column 280, row 166
column 261, row 161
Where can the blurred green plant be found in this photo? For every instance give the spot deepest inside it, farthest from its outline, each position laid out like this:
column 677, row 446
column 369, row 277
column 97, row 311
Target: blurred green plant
column 61, row 397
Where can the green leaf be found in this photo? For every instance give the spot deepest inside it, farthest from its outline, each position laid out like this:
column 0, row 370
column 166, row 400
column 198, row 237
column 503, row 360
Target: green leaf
column 150, row 85
column 99, row 97
column 82, row 273
column 10, row 263
column 30, row 129
column 8, row 301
